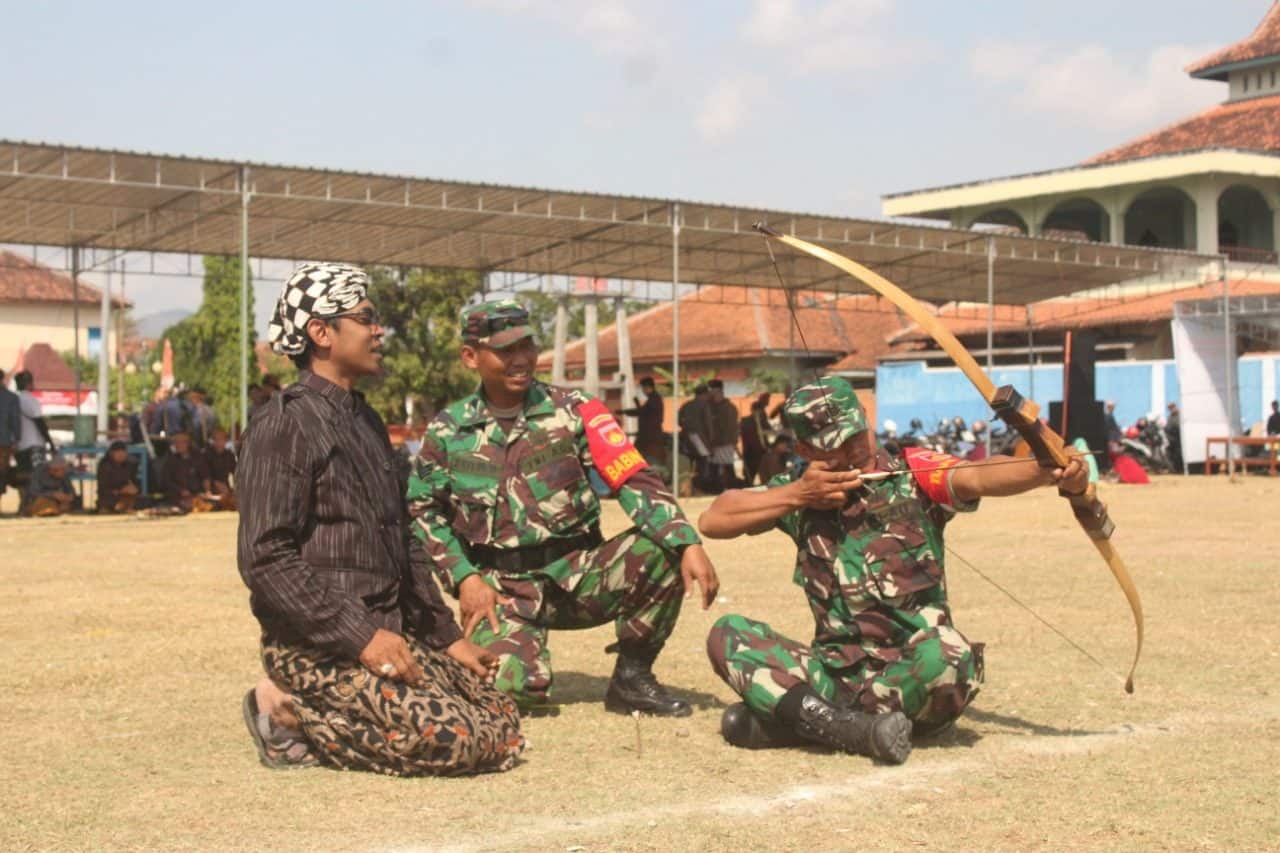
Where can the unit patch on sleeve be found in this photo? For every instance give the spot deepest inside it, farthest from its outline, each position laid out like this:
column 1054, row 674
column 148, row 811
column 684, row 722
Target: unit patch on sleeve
column 614, row 456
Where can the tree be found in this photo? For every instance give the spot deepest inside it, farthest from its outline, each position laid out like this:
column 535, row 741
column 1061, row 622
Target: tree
column 139, row 380
column 206, row 345
column 420, row 362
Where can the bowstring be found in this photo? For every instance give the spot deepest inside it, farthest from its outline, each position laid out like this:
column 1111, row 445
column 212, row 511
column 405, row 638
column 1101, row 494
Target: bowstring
column 1043, row 621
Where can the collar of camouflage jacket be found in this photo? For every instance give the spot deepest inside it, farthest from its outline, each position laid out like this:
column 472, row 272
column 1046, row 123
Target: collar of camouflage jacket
column 475, row 409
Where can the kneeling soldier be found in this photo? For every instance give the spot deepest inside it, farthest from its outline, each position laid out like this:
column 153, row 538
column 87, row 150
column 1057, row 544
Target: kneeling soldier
column 505, row 506
column 885, row 659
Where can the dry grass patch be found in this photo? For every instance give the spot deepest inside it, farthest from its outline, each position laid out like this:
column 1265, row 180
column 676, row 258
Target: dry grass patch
column 129, row 643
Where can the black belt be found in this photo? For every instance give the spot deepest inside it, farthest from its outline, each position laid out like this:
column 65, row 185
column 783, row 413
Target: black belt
column 517, row 560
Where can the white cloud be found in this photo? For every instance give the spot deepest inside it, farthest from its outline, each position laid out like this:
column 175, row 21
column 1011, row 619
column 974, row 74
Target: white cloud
column 728, row 106
column 1091, row 86
column 827, row 36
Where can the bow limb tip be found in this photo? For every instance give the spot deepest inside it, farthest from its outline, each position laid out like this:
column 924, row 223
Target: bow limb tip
column 765, row 229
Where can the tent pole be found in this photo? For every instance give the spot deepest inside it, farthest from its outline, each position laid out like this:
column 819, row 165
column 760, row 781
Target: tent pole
column 104, row 363
column 675, row 345
column 244, row 297
column 75, row 316
column 991, row 319
column 1229, row 361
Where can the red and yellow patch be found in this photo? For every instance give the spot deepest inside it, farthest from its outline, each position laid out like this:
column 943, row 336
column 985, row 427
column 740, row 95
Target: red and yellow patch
column 931, row 470
column 615, row 457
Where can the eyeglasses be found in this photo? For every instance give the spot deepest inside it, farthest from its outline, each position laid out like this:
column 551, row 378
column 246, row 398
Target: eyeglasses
column 365, row 317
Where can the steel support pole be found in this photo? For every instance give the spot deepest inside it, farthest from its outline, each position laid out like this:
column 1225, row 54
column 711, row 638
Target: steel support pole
column 991, row 319
column 244, row 297
column 591, row 339
column 625, row 367
column 1031, row 354
column 675, row 347
column 561, row 339
column 75, row 316
column 120, row 342
column 1230, row 365
column 104, row 362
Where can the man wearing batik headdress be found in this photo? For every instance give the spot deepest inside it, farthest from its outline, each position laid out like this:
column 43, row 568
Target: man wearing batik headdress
column 366, row 667
column 885, row 658
column 503, row 496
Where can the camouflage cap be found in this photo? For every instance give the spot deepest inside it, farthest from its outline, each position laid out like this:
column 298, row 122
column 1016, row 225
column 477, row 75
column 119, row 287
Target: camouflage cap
column 825, row 414
column 495, row 324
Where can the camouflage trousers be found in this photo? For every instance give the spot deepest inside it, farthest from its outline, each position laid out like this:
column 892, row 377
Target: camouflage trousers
column 355, row 720
column 627, row 580
column 931, row 679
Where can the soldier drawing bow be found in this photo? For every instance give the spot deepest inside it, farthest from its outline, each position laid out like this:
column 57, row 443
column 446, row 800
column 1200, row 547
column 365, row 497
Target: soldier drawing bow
column 1019, row 413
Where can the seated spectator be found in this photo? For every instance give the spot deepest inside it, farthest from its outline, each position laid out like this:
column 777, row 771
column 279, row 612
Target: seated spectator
column 220, row 462
column 117, row 480
column 49, row 492
column 186, row 479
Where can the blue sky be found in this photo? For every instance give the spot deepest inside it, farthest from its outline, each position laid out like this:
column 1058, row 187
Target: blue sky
column 818, row 106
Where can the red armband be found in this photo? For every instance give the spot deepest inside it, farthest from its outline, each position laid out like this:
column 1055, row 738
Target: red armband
column 931, row 470
column 615, row 457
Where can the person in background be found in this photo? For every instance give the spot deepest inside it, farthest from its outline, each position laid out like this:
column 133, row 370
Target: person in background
column 49, row 493
column 755, row 432
column 1273, row 420
column 185, row 477
column 724, row 437
column 117, row 480
column 220, row 462
column 10, row 430
column 34, row 435
column 694, row 420
column 1173, row 437
column 203, row 419
column 648, row 412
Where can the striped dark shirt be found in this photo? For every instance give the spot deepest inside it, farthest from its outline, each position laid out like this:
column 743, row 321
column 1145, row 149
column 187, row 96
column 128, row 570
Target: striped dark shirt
column 324, row 542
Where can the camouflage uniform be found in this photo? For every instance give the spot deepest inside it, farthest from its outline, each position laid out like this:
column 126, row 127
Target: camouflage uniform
column 515, row 505
column 873, row 574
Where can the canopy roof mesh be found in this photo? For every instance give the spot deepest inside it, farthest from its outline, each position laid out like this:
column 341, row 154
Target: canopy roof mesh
column 64, row 196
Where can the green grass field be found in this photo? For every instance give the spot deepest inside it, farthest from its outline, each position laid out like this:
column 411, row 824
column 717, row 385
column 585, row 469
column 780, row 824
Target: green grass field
column 128, row 644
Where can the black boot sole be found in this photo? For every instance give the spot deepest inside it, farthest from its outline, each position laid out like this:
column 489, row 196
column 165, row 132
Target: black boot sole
column 891, row 738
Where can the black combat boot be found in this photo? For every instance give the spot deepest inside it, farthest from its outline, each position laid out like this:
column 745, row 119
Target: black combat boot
column 635, row 688
column 884, row 737
column 740, row 726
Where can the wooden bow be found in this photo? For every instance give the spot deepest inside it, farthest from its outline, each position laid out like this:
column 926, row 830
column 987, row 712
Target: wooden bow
column 1019, row 413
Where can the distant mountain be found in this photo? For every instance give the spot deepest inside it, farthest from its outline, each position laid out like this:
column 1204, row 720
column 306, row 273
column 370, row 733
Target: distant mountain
column 153, row 325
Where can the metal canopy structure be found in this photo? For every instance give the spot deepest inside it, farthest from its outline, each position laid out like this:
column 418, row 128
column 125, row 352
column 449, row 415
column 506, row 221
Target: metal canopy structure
column 130, row 201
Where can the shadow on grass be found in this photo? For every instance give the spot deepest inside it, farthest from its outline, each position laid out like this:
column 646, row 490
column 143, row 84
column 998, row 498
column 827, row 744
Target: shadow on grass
column 572, row 688
column 1027, row 726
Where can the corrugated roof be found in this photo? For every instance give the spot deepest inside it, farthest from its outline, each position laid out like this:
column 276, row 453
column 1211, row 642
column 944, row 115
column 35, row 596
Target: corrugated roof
column 1262, row 43
column 124, row 200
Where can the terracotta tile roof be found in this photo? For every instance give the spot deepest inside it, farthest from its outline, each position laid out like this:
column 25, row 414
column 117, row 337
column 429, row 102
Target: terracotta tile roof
column 23, row 280
column 48, row 370
column 1263, row 42
column 1252, row 125
column 718, row 323
column 1063, row 314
